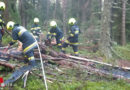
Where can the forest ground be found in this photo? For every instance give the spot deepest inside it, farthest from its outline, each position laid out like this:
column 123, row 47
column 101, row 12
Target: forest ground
column 76, row 78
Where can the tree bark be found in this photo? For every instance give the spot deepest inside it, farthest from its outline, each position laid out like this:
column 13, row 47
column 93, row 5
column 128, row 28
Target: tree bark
column 64, row 3
column 123, row 31
column 6, row 12
column 22, row 14
column 105, row 40
column 84, row 11
column 48, row 5
column 54, row 13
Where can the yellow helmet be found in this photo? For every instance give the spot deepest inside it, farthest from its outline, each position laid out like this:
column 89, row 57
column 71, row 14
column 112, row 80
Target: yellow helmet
column 10, row 25
column 72, row 21
column 36, row 20
column 2, row 6
column 53, row 24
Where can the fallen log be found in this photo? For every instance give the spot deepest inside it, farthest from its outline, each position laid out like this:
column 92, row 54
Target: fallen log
column 116, row 73
column 97, row 62
column 6, row 64
column 53, row 55
column 105, row 73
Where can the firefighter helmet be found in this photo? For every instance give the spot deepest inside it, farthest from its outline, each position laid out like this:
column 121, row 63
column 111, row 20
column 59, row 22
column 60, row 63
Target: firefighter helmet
column 36, row 20
column 10, row 25
column 53, row 24
column 72, row 21
column 2, row 6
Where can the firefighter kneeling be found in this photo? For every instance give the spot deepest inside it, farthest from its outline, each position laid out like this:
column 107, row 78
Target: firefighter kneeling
column 72, row 40
column 55, row 32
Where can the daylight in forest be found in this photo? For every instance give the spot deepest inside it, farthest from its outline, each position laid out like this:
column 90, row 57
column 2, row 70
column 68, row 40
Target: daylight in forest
column 64, row 44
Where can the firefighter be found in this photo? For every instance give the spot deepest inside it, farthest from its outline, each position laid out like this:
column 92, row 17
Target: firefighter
column 36, row 29
column 2, row 8
column 72, row 40
column 55, row 32
column 21, row 34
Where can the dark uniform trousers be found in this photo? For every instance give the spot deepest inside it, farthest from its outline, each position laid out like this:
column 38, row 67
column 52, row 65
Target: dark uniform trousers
column 72, row 39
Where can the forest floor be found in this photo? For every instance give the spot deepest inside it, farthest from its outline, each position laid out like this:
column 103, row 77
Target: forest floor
column 72, row 78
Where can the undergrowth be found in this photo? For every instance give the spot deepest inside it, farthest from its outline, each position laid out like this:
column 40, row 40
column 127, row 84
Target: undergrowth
column 123, row 51
column 72, row 79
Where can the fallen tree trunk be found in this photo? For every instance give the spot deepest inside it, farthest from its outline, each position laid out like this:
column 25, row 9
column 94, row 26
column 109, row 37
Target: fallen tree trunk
column 6, row 64
column 73, row 61
column 103, row 72
column 98, row 62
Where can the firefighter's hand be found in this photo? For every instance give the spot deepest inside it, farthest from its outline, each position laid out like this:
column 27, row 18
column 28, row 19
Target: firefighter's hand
column 9, row 46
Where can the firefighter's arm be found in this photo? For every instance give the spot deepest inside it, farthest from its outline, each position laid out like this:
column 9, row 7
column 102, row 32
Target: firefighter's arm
column 39, row 30
column 74, row 31
column 49, row 35
column 2, row 22
column 15, row 38
column 32, row 28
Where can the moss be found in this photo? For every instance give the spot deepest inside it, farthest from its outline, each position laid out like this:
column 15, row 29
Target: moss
column 123, row 51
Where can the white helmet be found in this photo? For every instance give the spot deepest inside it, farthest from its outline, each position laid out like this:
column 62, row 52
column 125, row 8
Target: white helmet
column 72, row 21
column 53, row 24
column 2, row 6
column 36, row 20
column 10, row 25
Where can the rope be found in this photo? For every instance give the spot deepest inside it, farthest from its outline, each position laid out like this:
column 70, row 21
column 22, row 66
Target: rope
column 43, row 71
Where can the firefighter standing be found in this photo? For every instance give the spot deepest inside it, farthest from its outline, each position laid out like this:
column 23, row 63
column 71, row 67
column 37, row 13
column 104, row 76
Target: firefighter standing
column 36, row 29
column 2, row 8
column 26, row 38
column 55, row 32
column 72, row 40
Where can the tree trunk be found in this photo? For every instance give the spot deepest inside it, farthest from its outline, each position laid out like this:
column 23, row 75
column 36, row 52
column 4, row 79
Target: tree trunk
column 22, row 13
column 54, row 13
column 6, row 12
column 84, row 11
column 48, row 5
column 78, row 7
column 105, row 41
column 64, row 3
column 123, row 32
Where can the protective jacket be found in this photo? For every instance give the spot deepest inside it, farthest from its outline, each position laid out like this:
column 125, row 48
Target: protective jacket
column 1, row 28
column 36, row 31
column 57, row 33
column 27, row 39
column 73, row 34
column 72, row 40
